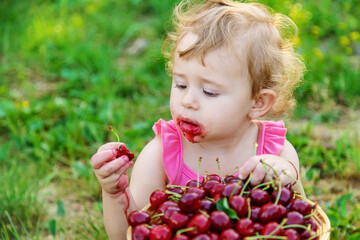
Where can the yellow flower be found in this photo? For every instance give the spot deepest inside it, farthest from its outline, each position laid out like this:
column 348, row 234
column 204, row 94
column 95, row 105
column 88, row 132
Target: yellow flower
column 342, row 25
column 319, row 53
column 344, row 41
column 25, row 104
column 355, row 36
column 315, row 30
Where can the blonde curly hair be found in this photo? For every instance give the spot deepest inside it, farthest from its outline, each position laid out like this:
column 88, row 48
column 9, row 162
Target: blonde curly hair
column 269, row 57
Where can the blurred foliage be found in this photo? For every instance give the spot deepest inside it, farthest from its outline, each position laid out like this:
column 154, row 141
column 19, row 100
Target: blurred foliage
column 68, row 69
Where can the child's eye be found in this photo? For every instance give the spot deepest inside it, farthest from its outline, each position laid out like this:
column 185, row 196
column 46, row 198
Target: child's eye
column 180, row 86
column 210, row 93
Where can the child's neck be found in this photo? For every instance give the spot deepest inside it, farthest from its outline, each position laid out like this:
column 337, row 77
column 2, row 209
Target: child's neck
column 232, row 152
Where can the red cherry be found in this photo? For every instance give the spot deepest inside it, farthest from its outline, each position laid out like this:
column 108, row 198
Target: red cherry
column 178, row 220
column 181, row 237
column 291, row 234
column 286, row 196
column 213, row 177
column 255, row 210
column 245, row 227
column 168, row 211
column 202, row 236
column 229, row 234
column 192, row 183
column 217, row 189
column 177, row 190
column 258, row 227
column 189, row 202
column 259, row 197
column 294, row 217
column 240, row 205
column 160, row 232
column 300, row 206
column 198, row 190
column 138, row 217
column 208, row 185
column 312, row 223
column 214, row 236
column 271, row 212
column 219, row 221
column 229, row 188
column 157, row 197
column 201, row 224
column 306, row 234
column 141, row 232
column 270, row 227
column 165, row 205
column 122, row 150
column 207, row 205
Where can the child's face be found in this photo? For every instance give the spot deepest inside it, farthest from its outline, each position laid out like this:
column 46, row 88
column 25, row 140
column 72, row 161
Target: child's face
column 211, row 102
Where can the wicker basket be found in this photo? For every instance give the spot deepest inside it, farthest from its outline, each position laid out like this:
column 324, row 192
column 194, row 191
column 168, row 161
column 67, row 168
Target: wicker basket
column 321, row 219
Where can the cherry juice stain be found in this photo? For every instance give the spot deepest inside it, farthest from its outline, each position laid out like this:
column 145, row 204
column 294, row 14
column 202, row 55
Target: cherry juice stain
column 190, row 129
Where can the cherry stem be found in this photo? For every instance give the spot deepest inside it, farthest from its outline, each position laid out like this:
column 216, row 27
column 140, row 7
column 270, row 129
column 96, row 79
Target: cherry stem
column 173, row 193
column 184, row 230
column 205, row 175
column 311, row 214
column 265, row 237
column 249, row 207
column 169, row 186
column 278, row 194
column 280, row 226
column 236, row 169
column 265, row 163
column 316, row 235
column 204, row 213
column 157, row 215
column 295, row 226
column 235, row 188
column 117, row 136
column 301, row 189
column 256, row 147
column 246, row 183
column 218, row 165
column 198, row 173
column 263, row 184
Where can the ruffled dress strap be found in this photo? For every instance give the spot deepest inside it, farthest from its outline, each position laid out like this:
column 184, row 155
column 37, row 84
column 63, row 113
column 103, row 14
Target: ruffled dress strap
column 272, row 136
column 172, row 148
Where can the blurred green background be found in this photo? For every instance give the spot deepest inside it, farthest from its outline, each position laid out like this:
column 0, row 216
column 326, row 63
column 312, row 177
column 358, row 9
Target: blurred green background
column 69, row 68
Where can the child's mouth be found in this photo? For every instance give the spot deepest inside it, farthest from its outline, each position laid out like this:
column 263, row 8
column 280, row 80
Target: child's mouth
column 190, row 128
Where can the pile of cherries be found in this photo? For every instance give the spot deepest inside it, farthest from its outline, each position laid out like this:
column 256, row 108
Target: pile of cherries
column 225, row 208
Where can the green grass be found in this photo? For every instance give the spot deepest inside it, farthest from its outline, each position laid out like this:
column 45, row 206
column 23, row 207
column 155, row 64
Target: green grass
column 68, row 69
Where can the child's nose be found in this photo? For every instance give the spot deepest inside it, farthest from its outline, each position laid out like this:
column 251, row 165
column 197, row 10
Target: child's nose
column 190, row 100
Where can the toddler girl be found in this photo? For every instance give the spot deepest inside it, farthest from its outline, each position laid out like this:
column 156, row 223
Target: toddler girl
column 231, row 63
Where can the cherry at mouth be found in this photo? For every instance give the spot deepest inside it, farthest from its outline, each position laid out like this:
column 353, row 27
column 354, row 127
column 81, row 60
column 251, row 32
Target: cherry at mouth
column 189, row 128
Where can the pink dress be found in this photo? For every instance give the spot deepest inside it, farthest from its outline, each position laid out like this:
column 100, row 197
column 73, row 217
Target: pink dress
column 270, row 141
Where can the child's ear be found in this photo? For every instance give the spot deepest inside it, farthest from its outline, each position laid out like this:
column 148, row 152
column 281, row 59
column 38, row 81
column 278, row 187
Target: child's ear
column 262, row 103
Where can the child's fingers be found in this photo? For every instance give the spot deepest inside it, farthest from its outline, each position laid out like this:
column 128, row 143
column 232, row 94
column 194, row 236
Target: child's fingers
column 109, row 145
column 286, row 177
column 124, row 168
column 123, row 182
column 111, row 167
column 248, row 167
column 257, row 175
column 99, row 158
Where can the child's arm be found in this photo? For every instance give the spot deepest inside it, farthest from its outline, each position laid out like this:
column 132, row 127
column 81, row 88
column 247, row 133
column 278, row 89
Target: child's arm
column 287, row 161
column 118, row 198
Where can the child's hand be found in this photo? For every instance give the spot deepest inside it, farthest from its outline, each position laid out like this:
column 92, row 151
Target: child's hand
column 109, row 170
column 262, row 172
